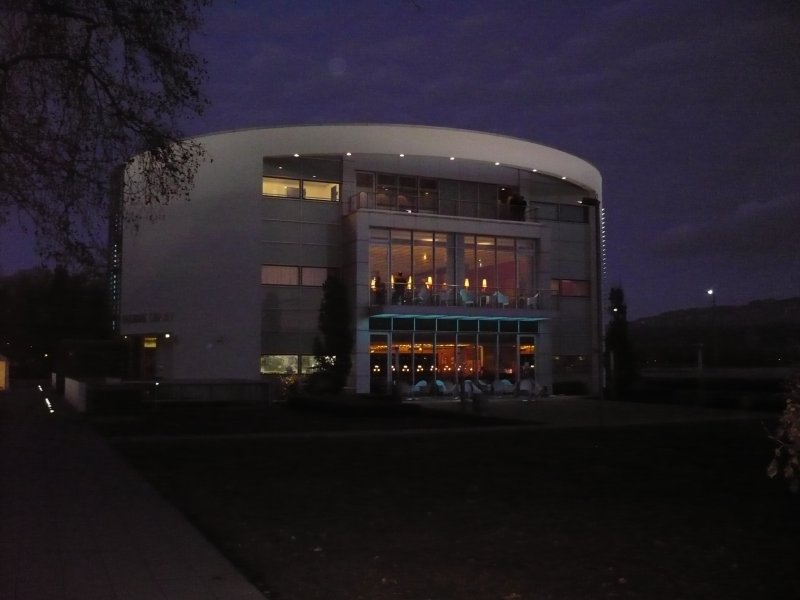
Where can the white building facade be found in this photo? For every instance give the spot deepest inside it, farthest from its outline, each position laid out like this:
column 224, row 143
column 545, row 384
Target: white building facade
column 466, row 255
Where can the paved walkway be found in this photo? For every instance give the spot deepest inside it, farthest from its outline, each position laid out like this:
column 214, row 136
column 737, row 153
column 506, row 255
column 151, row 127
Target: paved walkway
column 77, row 523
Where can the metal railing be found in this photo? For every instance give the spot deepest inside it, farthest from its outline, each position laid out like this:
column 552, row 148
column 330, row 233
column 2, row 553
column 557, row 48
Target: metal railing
column 456, row 295
column 434, row 204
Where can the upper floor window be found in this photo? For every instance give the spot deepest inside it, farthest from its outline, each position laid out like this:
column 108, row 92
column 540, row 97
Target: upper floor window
column 321, row 190
column 312, row 178
column 282, row 188
column 570, row 287
column 292, row 275
column 548, row 211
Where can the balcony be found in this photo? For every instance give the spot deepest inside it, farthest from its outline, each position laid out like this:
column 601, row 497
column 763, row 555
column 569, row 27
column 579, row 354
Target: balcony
column 449, row 297
column 435, row 205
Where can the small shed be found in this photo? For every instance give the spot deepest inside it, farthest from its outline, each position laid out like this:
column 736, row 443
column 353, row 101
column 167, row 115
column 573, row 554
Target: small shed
column 3, row 373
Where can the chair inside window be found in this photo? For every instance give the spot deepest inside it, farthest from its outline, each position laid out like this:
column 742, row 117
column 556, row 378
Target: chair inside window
column 423, row 296
column 501, row 299
column 467, row 299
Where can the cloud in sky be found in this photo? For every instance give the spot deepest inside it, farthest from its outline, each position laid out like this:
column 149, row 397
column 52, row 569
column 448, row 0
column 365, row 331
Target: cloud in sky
column 754, row 230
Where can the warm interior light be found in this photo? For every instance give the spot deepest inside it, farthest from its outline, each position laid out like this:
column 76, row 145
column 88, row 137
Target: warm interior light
column 430, row 281
column 409, row 283
column 372, row 283
column 483, row 284
column 466, row 282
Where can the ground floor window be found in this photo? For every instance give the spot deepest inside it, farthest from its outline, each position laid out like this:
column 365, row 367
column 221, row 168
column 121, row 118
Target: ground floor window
column 287, row 364
column 434, row 356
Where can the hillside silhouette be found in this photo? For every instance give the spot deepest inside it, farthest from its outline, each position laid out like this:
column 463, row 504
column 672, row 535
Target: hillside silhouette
column 762, row 333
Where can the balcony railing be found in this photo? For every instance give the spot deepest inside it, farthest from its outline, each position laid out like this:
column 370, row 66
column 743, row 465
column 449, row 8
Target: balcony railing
column 434, row 204
column 460, row 296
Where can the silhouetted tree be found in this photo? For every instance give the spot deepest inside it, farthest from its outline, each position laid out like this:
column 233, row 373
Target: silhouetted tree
column 621, row 367
column 84, row 85
column 334, row 344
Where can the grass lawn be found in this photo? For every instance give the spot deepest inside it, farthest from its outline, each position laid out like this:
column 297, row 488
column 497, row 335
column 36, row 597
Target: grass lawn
column 646, row 512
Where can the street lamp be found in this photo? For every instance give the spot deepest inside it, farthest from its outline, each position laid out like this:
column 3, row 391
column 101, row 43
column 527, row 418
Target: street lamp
column 711, row 294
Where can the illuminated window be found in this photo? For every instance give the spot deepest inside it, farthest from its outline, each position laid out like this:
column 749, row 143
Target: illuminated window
column 282, row 188
column 321, row 190
column 284, row 364
column 279, row 275
column 150, row 342
column 308, row 363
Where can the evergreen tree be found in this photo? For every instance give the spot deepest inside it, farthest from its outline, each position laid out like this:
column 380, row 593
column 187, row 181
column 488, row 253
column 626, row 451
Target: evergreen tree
column 620, row 360
column 334, row 344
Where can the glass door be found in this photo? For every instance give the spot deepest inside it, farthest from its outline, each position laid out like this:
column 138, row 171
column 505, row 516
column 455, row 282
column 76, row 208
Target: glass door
column 380, row 366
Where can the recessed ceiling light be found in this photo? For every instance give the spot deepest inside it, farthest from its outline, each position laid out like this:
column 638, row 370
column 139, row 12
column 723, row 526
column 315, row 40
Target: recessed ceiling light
column 349, row 154
column 497, row 164
column 452, row 158
column 402, row 155
column 536, row 170
column 296, row 155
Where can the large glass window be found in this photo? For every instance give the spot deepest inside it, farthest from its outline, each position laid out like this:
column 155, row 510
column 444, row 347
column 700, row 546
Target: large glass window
column 402, row 278
column 451, row 269
column 423, row 268
column 285, row 364
column 576, row 214
column 526, row 281
column 486, row 272
column 506, row 273
column 379, row 266
column 321, row 190
column 316, row 177
column 469, row 195
column 282, row 188
column 428, row 195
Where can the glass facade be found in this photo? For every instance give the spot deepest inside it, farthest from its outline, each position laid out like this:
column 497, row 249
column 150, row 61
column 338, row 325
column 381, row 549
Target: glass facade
column 429, row 356
column 451, row 269
column 408, row 193
column 311, row 178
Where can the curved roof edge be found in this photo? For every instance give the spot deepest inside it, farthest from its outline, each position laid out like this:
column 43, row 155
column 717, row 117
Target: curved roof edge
column 382, row 138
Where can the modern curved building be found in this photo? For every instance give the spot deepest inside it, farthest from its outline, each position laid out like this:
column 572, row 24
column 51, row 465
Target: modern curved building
column 465, row 255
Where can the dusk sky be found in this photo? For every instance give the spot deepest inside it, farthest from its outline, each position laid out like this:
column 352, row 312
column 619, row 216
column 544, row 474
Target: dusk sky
column 690, row 110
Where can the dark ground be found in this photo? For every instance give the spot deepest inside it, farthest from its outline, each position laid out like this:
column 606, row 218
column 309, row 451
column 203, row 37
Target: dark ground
column 652, row 512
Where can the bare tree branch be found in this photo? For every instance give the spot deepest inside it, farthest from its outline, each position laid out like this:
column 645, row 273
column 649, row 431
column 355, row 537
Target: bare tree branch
column 85, row 85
